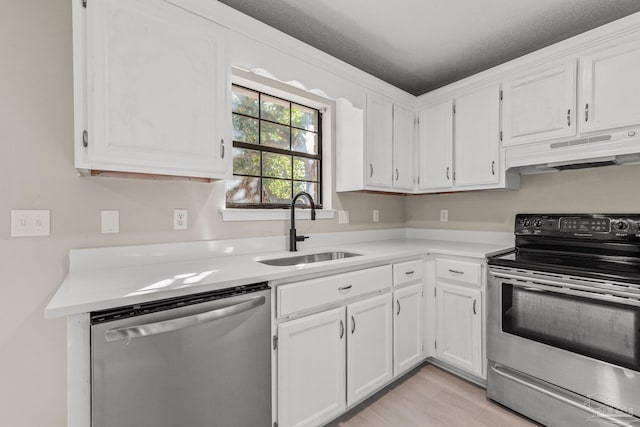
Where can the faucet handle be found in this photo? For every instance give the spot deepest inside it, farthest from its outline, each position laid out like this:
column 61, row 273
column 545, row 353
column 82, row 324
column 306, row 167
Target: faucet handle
column 301, row 238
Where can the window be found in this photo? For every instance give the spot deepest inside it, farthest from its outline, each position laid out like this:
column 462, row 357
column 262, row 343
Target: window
column 277, row 151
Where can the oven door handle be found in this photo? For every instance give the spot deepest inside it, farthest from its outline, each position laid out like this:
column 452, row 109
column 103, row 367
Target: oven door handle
column 182, row 322
column 565, row 399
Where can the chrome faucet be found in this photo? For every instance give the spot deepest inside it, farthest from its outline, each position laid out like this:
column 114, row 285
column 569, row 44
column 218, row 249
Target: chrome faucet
column 293, row 238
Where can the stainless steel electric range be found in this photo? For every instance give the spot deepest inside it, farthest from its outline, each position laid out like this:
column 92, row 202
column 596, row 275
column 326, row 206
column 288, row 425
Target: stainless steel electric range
column 563, row 323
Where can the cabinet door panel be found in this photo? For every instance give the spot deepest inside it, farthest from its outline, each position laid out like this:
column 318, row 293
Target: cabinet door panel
column 540, row 106
column 610, row 87
column 403, row 135
column 369, row 346
column 379, row 138
column 459, row 327
column 158, row 90
column 477, row 135
column 311, row 368
column 407, row 328
column 436, row 146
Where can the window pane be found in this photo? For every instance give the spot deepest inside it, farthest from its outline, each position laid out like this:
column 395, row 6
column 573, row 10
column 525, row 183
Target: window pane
column 304, row 117
column 273, row 135
column 305, row 169
column 276, row 191
column 303, row 141
column 276, row 165
column 244, row 101
column 246, row 162
column 242, row 189
column 309, row 187
column 245, row 129
column 274, row 109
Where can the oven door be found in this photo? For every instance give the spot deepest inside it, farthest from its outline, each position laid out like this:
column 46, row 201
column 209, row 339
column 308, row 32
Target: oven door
column 578, row 334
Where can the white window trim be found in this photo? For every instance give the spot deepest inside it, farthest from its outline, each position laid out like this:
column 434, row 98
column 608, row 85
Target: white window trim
column 294, row 94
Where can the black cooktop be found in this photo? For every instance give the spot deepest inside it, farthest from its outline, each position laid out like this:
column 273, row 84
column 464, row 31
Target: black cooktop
column 599, row 246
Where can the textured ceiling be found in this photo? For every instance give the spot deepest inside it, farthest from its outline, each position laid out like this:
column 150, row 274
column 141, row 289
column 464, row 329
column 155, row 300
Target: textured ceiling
column 420, row 45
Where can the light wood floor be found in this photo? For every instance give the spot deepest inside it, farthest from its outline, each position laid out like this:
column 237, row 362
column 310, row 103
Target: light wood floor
column 431, row 397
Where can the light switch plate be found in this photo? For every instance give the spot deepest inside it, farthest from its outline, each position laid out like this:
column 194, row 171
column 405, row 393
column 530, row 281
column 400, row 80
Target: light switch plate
column 444, row 215
column 26, row 223
column 110, row 221
column 343, row 217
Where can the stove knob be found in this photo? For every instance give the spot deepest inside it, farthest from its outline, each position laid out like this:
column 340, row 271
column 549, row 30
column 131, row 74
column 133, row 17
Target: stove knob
column 538, row 223
column 620, row 225
column 526, row 223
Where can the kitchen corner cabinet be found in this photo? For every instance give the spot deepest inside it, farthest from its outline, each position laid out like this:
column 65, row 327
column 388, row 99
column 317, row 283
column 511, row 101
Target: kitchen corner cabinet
column 436, row 147
column 379, row 137
column 610, row 86
column 404, row 124
column 152, row 90
column 407, row 328
column 540, row 105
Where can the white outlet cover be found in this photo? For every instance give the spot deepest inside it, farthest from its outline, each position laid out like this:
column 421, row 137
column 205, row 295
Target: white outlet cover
column 343, row 217
column 444, row 215
column 376, row 215
column 109, row 221
column 26, row 223
column 180, row 219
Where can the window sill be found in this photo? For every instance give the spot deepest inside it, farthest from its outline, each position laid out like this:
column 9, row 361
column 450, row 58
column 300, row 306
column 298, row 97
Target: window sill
column 273, row 214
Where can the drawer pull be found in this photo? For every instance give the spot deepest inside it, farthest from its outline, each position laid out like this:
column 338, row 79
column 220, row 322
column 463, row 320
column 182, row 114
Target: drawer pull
column 456, row 271
column 344, row 288
column 409, row 273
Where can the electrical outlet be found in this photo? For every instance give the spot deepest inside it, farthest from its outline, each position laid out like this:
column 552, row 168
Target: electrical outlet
column 376, row 215
column 109, row 221
column 444, row 215
column 26, row 223
column 179, row 219
column 343, row 217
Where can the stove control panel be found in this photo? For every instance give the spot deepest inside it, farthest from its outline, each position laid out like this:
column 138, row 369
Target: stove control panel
column 580, row 226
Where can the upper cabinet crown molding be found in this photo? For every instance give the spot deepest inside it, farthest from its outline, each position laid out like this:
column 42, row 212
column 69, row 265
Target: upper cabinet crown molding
column 153, row 90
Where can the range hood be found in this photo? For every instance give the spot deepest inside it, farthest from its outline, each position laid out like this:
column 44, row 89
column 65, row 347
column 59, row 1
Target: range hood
column 614, row 148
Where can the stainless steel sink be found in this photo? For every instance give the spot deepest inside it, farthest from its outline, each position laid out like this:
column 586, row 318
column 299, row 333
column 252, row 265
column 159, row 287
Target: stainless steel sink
column 309, row 258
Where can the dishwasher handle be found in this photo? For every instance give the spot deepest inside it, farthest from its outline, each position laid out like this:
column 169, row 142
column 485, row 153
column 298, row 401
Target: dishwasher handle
column 155, row 328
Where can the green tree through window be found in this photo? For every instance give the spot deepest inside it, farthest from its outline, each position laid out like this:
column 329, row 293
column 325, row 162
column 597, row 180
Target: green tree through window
column 276, row 150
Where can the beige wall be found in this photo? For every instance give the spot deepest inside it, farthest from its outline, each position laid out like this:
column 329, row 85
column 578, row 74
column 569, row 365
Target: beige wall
column 612, row 189
column 36, row 172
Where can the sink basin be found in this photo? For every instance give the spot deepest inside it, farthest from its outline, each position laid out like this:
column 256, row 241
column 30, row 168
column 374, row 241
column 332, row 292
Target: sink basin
column 309, row 258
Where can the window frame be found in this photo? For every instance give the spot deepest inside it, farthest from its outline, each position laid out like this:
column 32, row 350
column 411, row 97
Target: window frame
column 259, row 147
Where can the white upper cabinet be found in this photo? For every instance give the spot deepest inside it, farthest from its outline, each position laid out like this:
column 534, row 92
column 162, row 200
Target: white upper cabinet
column 403, row 147
column 540, row 105
column 610, row 87
column 477, row 138
column 379, row 141
column 436, row 147
column 157, row 91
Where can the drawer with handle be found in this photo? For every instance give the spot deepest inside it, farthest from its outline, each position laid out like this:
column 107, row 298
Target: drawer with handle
column 459, row 271
column 305, row 295
column 407, row 272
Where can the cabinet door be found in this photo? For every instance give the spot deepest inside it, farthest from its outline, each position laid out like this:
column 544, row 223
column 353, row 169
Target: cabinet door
column 407, row 328
column 158, row 85
column 477, row 138
column 311, row 369
column 403, row 145
column 369, row 347
column 378, row 169
column 458, row 336
column 436, row 146
column 540, row 106
column 610, row 87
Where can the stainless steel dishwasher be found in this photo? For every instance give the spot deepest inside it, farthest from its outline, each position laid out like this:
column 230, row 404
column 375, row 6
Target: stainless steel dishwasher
column 195, row 361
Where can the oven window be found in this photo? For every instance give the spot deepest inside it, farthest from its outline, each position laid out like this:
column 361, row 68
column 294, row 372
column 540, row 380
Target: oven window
column 602, row 330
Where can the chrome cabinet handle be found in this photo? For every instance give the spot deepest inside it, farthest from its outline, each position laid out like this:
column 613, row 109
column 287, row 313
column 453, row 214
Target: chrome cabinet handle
column 569, row 117
column 222, row 148
column 493, row 167
column 397, row 174
column 370, row 170
column 448, row 172
column 586, row 113
column 353, row 324
column 398, row 312
column 181, row 322
column 456, row 271
column 345, row 288
column 341, row 329
column 474, row 306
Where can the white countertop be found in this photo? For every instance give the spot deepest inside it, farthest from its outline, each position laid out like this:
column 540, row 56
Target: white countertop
column 102, row 288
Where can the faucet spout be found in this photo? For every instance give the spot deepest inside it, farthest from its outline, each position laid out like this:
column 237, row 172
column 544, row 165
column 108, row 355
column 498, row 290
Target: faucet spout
column 293, row 237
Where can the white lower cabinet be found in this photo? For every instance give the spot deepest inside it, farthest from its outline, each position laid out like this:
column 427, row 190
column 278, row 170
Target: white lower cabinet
column 369, row 344
column 459, row 326
column 311, row 368
column 407, row 328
